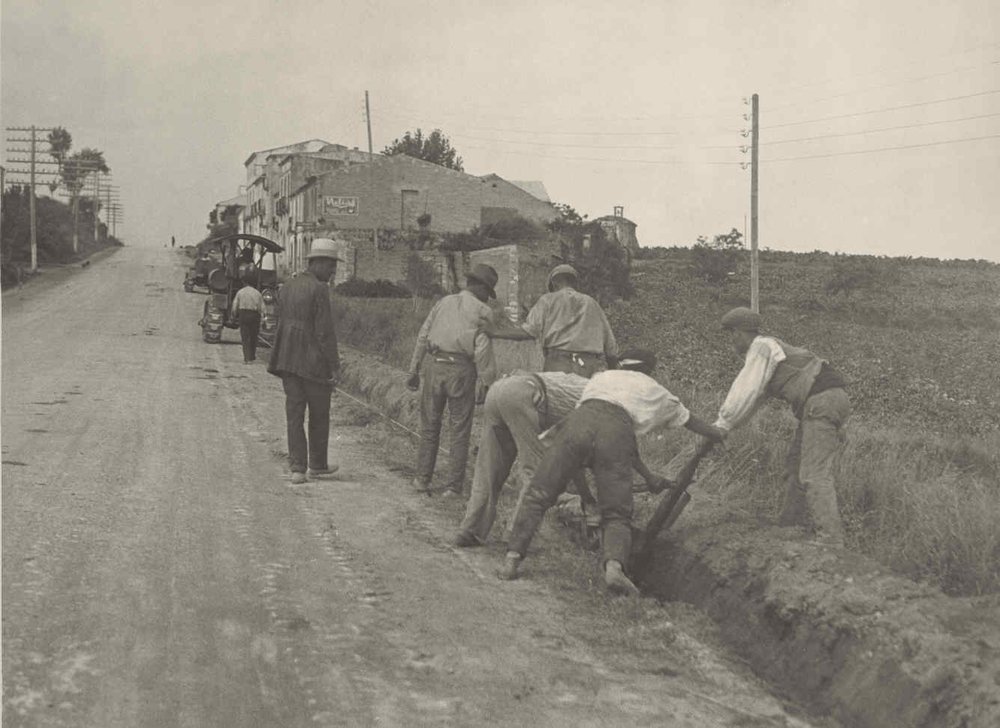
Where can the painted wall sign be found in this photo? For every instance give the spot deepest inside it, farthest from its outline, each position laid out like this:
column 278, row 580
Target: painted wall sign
column 333, row 205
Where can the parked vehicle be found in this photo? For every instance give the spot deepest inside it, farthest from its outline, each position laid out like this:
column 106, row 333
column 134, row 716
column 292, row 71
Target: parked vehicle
column 243, row 258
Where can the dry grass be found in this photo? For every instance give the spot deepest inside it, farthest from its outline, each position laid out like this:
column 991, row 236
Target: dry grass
column 925, row 505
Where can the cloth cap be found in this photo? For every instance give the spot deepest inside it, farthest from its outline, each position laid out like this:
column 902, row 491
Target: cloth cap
column 562, row 270
column 637, row 359
column 486, row 275
column 742, row 319
column 326, row 248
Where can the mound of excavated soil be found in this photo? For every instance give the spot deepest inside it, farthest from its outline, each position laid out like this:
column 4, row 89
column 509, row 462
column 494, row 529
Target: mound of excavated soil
column 833, row 629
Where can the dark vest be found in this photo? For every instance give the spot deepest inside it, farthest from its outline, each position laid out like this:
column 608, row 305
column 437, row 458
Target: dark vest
column 794, row 377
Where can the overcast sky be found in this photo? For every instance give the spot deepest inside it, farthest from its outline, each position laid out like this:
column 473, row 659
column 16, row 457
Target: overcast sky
column 633, row 103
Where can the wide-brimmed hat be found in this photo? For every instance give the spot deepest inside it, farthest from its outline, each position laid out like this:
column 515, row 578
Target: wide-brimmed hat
column 326, row 248
column 486, row 275
column 562, row 270
column 742, row 318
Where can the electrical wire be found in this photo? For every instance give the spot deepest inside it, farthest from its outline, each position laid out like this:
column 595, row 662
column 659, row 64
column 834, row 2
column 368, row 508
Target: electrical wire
column 882, row 149
column 882, row 129
column 882, row 110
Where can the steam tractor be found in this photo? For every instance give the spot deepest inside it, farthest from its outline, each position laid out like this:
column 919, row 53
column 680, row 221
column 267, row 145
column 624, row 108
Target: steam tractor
column 243, row 258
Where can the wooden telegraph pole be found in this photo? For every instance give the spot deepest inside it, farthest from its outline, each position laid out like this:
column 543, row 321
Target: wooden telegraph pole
column 371, row 176
column 754, row 152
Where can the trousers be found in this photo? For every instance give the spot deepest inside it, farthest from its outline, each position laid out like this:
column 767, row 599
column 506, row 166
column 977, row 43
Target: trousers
column 511, row 425
column 249, row 331
column 597, row 435
column 302, row 394
column 452, row 384
column 810, row 490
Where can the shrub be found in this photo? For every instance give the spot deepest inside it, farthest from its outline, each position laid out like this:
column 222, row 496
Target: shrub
column 421, row 278
column 716, row 260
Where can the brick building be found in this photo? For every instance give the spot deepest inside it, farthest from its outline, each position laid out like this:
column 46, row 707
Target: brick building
column 392, row 193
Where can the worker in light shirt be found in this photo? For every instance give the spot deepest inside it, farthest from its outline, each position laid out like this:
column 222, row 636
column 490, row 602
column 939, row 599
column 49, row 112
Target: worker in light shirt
column 571, row 326
column 815, row 391
column 616, row 406
column 517, row 410
column 459, row 353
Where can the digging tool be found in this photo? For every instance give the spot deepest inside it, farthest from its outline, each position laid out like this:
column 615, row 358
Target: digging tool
column 668, row 509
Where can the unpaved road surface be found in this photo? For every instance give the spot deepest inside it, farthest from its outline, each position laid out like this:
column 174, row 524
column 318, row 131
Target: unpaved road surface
column 159, row 569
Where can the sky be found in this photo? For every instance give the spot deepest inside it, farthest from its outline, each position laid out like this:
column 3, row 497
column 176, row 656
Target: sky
column 879, row 122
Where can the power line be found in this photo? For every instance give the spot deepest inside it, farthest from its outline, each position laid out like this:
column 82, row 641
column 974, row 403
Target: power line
column 884, row 149
column 591, row 146
column 884, row 85
column 887, row 108
column 881, row 129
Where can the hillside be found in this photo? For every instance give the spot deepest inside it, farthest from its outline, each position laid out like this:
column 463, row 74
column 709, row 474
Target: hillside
column 919, row 339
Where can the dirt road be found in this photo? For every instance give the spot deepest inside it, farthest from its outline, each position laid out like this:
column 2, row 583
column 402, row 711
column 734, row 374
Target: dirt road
column 159, row 569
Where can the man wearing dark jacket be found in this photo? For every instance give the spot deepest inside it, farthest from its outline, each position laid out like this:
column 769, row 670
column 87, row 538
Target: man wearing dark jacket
column 305, row 356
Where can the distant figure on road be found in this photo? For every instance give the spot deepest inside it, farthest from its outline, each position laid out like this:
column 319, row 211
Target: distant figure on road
column 305, row 356
column 518, row 409
column 248, row 307
column 815, row 391
column 173, row 242
column 570, row 325
column 460, row 351
column 616, row 406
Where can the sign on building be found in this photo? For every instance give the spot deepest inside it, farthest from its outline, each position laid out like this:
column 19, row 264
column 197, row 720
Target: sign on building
column 333, row 205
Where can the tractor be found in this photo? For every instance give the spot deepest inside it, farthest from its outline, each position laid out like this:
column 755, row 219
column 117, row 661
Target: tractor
column 243, row 258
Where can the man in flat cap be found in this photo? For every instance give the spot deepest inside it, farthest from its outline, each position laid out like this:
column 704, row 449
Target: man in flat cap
column 616, row 406
column 305, row 356
column 571, row 326
column 452, row 334
column 815, row 391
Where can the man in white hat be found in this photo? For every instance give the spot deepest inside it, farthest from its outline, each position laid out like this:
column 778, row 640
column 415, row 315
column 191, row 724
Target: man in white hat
column 459, row 352
column 305, row 356
column 571, row 326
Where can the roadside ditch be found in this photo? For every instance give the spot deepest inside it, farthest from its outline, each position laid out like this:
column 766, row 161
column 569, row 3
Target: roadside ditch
column 834, row 629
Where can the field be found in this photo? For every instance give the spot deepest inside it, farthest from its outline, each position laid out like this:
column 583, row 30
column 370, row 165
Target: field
column 920, row 479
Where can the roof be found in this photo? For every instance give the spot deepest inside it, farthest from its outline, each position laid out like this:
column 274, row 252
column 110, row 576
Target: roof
column 535, row 188
column 288, row 147
column 614, row 218
column 238, row 201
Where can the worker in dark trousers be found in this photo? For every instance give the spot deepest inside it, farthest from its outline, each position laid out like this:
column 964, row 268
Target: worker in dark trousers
column 306, row 357
column 248, row 307
column 616, row 406
column 459, row 353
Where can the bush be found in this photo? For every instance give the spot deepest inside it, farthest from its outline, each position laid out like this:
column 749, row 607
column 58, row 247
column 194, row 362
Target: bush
column 358, row 288
column 421, row 278
column 716, row 260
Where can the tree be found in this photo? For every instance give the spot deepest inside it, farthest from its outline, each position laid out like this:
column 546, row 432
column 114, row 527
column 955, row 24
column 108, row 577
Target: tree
column 434, row 148
column 717, row 259
column 74, row 170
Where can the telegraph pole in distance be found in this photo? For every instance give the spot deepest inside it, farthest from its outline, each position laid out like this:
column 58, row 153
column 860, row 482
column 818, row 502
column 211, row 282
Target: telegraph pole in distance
column 754, row 157
column 34, row 224
column 371, row 176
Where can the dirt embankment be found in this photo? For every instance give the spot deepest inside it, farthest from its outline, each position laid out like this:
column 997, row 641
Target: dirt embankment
column 833, row 629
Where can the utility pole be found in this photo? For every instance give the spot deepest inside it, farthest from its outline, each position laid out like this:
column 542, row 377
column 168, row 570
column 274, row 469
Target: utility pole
column 32, row 173
column 371, row 176
column 754, row 159
column 97, row 204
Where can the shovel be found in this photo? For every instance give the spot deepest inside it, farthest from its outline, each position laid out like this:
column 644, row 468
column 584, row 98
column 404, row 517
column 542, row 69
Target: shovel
column 668, row 509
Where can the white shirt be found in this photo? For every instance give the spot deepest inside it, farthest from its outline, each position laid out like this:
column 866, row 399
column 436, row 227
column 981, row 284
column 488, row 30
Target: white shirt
column 647, row 402
column 750, row 385
column 250, row 299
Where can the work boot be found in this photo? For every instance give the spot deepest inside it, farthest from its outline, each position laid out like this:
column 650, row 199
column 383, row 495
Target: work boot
column 421, row 486
column 617, row 582
column 465, row 540
column 508, row 569
column 323, row 472
column 299, row 478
